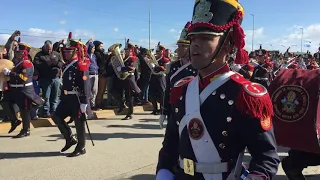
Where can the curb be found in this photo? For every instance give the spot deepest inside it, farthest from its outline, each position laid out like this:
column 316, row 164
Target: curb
column 48, row 122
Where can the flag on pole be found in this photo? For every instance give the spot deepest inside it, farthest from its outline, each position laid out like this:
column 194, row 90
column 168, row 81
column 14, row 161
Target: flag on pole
column 307, row 43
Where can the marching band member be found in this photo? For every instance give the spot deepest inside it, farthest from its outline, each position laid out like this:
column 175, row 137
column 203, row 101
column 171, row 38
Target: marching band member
column 179, row 69
column 245, row 69
column 73, row 99
column 129, row 85
column 218, row 113
column 21, row 91
column 158, row 81
column 262, row 73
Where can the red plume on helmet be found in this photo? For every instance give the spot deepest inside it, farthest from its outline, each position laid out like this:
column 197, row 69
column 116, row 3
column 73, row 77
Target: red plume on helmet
column 70, row 35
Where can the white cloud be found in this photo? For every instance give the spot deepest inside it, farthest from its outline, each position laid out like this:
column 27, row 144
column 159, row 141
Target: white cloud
column 145, row 43
column 172, row 30
column 63, row 22
column 293, row 39
column 66, row 12
column 116, row 29
column 36, row 37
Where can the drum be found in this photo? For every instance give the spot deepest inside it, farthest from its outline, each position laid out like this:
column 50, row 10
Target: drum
column 295, row 97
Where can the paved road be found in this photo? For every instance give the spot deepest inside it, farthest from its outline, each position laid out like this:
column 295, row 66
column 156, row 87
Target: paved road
column 123, row 150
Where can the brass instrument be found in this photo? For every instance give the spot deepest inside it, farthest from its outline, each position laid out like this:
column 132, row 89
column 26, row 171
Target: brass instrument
column 153, row 62
column 117, row 61
column 4, row 63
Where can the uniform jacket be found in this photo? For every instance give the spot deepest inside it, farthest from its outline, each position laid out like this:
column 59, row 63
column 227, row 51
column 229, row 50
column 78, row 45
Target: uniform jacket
column 75, row 80
column 232, row 126
column 262, row 74
column 187, row 71
column 22, row 73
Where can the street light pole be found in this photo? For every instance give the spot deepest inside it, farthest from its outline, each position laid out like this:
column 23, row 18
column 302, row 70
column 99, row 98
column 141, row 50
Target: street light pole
column 252, row 30
column 301, row 38
column 149, row 24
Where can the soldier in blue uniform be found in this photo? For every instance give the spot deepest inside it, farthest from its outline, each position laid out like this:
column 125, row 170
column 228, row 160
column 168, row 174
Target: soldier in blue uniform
column 158, row 79
column 262, row 73
column 129, row 85
column 179, row 69
column 73, row 99
column 219, row 113
column 21, row 91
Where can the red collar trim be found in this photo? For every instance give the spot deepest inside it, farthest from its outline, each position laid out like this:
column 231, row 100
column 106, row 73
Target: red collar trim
column 207, row 79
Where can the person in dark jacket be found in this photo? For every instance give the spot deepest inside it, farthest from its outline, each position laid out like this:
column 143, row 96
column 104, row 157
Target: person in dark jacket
column 49, row 63
column 102, row 79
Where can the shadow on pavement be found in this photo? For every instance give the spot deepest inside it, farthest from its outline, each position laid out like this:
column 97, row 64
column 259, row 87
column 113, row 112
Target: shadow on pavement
column 11, row 155
column 149, row 120
column 137, row 126
column 142, row 177
column 106, row 136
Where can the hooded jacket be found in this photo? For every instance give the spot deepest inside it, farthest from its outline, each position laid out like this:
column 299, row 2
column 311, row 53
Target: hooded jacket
column 93, row 67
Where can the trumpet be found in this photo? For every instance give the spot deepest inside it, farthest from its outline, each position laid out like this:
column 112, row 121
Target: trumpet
column 152, row 62
column 117, row 61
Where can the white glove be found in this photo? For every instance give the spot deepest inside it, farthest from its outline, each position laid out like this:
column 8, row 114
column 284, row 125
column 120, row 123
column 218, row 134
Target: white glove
column 164, row 174
column 83, row 107
column 6, row 71
column 119, row 69
column 236, row 67
column 161, row 120
column 153, row 65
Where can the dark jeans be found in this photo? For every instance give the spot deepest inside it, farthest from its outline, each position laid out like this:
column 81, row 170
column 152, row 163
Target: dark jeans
column 50, row 91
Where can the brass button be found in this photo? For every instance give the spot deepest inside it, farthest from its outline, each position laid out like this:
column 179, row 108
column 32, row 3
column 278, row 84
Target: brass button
column 181, row 97
column 222, row 96
column 176, row 110
column 229, row 119
column 230, row 102
column 214, row 93
column 178, row 123
column 222, row 146
column 224, row 133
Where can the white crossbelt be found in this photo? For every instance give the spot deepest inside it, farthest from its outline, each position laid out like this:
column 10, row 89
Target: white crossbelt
column 259, row 78
column 207, row 168
column 21, row 85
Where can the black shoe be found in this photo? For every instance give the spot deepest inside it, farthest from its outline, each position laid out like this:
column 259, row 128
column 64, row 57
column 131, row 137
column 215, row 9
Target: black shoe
column 14, row 125
column 23, row 133
column 69, row 142
column 154, row 112
column 291, row 173
column 35, row 118
column 128, row 117
column 70, row 121
column 77, row 152
column 120, row 109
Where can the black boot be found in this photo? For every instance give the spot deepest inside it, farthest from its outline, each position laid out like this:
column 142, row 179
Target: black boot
column 23, row 133
column 69, row 142
column 81, row 136
column 122, row 106
column 65, row 131
column 128, row 117
column 291, row 172
column 14, row 125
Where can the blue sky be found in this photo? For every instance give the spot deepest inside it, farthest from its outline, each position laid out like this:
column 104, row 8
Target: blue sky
column 277, row 23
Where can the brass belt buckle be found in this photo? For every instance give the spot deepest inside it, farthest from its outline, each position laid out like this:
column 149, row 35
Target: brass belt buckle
column 188, row 166
column 65, row 92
